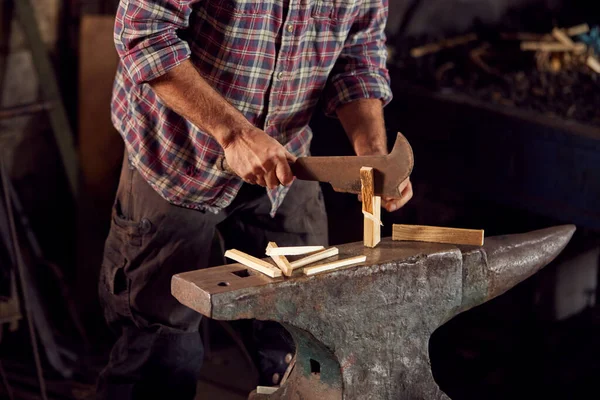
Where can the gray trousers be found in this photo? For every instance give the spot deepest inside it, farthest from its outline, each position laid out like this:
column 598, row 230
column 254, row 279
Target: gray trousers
column 158, row 352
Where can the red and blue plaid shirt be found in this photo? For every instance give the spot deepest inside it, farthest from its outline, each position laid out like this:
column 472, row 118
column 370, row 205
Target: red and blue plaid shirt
column 273, row 60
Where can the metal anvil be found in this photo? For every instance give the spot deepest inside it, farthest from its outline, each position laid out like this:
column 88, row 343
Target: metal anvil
column 363, row 332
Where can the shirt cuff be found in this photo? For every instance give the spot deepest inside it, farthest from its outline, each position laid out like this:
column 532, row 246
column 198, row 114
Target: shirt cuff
column 351, row 87
column 155, row 59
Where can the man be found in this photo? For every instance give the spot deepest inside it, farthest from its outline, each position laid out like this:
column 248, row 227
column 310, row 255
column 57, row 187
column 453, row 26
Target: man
column 197, row 80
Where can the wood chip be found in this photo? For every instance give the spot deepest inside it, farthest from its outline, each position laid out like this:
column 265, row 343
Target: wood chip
column 281, row 261
column 253, row 263
column 434, row 234
column 317, row 269
column 333, row 251
column 293, row 251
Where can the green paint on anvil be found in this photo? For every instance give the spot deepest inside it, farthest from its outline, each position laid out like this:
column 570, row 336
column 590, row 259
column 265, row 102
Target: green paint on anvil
column 308, row 348
column 286, row 307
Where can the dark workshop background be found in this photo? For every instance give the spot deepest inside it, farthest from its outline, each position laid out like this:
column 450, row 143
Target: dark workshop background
column 488, row 155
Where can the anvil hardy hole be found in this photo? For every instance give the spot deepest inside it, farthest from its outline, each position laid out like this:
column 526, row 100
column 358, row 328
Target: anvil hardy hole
column 242, row 273
column 315, row 367
column 223, row 283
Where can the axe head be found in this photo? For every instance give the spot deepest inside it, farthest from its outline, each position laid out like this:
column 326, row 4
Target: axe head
column 343, row 172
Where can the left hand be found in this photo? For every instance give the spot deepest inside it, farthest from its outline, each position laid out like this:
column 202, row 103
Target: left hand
column 405, row 189
column 395, row 203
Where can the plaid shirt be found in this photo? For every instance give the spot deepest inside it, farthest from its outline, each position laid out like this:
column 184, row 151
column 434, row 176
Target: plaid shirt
column 273, row 60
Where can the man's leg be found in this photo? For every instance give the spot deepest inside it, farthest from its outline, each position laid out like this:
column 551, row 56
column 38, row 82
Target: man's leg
column 301, row 220
column 158, row 353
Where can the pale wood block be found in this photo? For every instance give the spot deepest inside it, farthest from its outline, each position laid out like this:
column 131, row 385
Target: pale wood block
column 253, row 263
column 371, row 208
column 293, row 250
column 266, row 389
column 333, row 251
column 334, row 265
column 420, row 233
column 281, row 261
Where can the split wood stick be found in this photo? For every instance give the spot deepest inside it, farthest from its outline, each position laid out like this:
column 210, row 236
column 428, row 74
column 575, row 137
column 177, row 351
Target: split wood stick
column 266, row 389
column 293, row 250
column 334, row 265
column 333, row 251
column 552, row 46
column 435, row 234
column 281, row 261
column 562, row 37
column 578, row 30
column 444, row 44
column 288, row 371
column 371, row 206
column 593, row 63
column 253, row 263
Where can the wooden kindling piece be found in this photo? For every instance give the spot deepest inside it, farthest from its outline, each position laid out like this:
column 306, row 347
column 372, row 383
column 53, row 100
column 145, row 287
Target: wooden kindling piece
column 281, row 261
column 321, row 255
column 371, row 208
column 345, row 262
column 254, row 263
column 435, row 234
column 292, row 250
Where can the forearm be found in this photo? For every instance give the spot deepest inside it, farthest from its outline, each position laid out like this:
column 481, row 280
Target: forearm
column 364, row 124
column 183, row 90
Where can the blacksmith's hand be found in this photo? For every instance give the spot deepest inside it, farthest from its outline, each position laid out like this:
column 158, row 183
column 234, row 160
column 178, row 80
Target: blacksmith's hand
column 258, row 158
column 405, row 190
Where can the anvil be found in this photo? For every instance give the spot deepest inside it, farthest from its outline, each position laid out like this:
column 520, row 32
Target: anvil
column 363, row 332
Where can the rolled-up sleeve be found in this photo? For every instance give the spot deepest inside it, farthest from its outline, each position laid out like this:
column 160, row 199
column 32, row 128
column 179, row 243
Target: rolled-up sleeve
column 146, row 36
column 360, row 71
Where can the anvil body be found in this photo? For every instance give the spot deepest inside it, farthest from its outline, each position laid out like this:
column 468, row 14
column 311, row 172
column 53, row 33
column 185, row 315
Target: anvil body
column 366, row 329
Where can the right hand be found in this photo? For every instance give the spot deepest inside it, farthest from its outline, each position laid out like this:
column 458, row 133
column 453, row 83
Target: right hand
column 259, row 159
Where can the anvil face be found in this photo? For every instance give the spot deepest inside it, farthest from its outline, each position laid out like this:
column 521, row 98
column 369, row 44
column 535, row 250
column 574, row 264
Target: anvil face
column 367, row 327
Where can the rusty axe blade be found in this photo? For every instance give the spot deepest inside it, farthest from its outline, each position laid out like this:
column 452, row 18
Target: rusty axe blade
column 343, row 172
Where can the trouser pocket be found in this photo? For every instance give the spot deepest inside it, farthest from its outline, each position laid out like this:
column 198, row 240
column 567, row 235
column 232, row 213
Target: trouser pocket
column 114, row 284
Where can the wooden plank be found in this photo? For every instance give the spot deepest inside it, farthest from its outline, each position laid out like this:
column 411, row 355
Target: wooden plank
column 578, row 30
column 253, row 262
column 553, row 46
column 281, row 261
column 420, row 233
column 292, row 251
column 317, row 269
column 371, row 209
column 51, row 93
column 562, row 37
column 100, row 145
column 333, row 251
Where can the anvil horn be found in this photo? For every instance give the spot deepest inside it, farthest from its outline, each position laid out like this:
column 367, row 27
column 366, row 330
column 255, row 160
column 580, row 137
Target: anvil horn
column 504, row 261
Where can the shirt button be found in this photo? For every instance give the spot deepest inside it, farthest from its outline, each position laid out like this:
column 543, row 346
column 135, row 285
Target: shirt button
column 290, row 28
column 280, row 76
